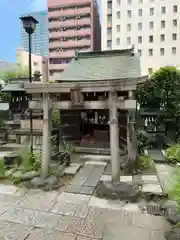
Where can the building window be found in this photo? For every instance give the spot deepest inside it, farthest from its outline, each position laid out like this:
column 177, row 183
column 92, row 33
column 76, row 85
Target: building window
column 118, row 2
column 129, row 1
column 150, row 51
column 129, row 15
column 163, row 10
column 151, row 11
column 128, row 27
column 35, row 64
column 162, row 51
column 109, row 4
column 151, row 38
column 174, row 36
column 118, row 14
column 140, row 12
column 109, row 31
column 140, row 52
column 140, row 39
column 128, row 41
column 162, row 37
column 175, row 23
column 139, row 26
column 109, row 44
column 118, row 28
column 117, row 41
column 173, row 50
column 163, row 24
column 150, row 70
column 151, row 25
column 175, row 8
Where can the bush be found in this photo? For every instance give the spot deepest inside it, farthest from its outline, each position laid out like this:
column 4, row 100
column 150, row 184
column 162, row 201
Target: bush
column 174, row 192
column 29, row 162
column 173, row 154
column 2, row 168
column 143, row 141
column 145, row 162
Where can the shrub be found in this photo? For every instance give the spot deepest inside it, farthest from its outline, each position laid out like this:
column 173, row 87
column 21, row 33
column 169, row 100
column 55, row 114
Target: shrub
column 145, row 162
column 174, row 190
column 29, row 162
column 173, row 154
column 2, row 168
column 67, row 147
column 143, row 141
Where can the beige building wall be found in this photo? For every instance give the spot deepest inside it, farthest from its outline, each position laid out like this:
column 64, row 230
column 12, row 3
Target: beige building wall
column 39, row 63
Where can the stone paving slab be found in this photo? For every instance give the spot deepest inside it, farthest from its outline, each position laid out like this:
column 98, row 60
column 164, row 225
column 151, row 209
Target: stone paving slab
column 66, row 209
column 7, row 201
column 35, row 203
column 71, row 198
column 104, row 203
column 94, row 178
column 156, row 155
column 80, row 189
column 152, row 188
column 73, row 168
column 165, row 173
column 41, row 234
column 8, row 190
column 14, row 231
column 30, row 217
column 96, row 163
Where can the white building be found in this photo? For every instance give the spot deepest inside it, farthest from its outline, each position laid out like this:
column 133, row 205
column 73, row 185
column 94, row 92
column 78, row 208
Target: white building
column 39, row 63
column 152, row 26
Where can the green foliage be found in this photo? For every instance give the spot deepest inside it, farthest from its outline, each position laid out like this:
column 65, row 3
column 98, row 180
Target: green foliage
column 174, row 190
column 56, row 116
column 16, row 72
column 5, row 97
column 145, row 162
column 2, row 168
column 173, row 154
column 162, row 93
column 67, row 147
column 143, row 142
column 29, row 162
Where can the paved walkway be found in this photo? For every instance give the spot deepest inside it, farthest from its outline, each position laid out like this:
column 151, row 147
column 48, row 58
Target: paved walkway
column 38, row 215
column 165, row 174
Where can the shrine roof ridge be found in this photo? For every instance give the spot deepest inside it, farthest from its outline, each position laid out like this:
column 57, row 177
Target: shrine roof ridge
column 112, row 53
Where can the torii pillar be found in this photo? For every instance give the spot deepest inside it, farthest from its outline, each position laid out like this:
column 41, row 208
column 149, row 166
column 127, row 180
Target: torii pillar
column 47, row 128
column 114, row 136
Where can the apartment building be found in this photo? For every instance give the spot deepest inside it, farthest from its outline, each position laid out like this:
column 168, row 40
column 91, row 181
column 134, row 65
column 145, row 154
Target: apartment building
column 152, row 26
column 39, row 63
column 73, row 26
column 39, row 37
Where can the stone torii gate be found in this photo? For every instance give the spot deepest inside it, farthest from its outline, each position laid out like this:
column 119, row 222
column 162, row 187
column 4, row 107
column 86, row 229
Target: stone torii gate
column 114, row 88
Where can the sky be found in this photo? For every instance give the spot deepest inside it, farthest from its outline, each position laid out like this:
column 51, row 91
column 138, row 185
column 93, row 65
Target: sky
column 10, row 11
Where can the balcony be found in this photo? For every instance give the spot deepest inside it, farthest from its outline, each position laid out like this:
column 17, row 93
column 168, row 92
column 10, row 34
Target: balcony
column 67, row 54
column 57, row 66
column 70, row 43
column 69, row 23
column 69, row 12
column 70, row 33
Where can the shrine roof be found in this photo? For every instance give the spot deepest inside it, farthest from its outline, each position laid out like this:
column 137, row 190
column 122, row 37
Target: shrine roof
column 105, row 65
column 13, row 87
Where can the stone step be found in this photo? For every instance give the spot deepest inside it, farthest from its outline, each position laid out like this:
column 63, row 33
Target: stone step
column 102, row 151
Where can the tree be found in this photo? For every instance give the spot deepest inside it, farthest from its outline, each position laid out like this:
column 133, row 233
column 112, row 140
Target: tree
column 162, row 93
column 7, row 75
column 16, row 72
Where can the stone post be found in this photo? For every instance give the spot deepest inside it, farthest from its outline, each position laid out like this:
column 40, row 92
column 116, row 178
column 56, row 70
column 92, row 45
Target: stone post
column 46, row 149
column 114, row 136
